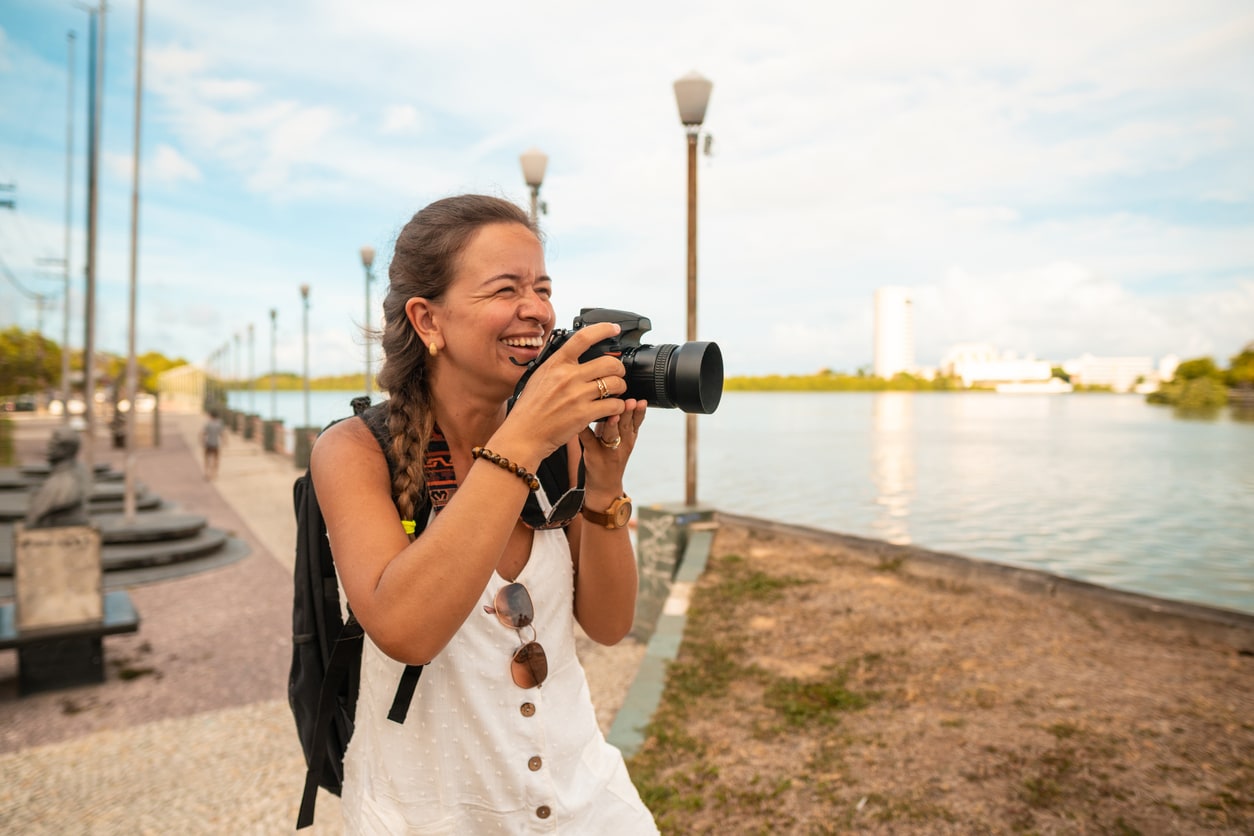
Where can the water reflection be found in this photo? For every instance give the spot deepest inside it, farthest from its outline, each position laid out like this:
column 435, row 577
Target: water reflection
column 1242, row 413
column 1204, row 413
column 892, row 464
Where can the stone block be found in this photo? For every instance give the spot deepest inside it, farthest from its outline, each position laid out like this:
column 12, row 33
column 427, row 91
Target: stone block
column 57, row 576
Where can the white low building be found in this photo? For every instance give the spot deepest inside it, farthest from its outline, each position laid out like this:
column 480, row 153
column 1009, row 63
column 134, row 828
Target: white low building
column 980, row 363
column 1121, row 374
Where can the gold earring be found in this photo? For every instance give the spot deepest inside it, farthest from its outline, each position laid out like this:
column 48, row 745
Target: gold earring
column 432, row 348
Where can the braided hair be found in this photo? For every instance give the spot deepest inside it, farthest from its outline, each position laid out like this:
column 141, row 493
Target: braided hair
column 423, row 264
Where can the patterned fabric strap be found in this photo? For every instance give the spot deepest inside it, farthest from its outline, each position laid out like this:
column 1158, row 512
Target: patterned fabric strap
column 442, row 484
column 438, row 468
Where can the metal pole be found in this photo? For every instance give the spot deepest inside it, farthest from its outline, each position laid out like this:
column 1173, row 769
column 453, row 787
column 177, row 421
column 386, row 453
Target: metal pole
column 690, row 424
column 304, row 295
column 252, row 375
column 274, row 386
column 535, row 205
column 367, row 320
column 69, row 192
column 89, row 304
column 132, row 371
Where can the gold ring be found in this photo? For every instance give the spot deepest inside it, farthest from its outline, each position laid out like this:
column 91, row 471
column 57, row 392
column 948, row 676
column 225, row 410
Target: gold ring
column 602, row 388
column 610, row 445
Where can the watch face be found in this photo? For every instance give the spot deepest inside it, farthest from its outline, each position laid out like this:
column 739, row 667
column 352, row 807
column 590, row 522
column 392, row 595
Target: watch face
column 622, row 514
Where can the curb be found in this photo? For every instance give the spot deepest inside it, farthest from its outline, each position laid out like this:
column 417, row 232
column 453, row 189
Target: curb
column 628, row 730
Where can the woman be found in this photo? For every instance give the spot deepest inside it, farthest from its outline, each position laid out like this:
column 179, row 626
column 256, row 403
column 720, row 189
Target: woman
column 493, row 742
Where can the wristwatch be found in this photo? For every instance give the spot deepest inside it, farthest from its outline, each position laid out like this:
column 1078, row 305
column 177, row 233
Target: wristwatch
column 615, row 516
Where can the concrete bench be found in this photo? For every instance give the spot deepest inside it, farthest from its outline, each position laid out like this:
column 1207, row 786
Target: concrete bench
column 61, row 614
column 63, row 657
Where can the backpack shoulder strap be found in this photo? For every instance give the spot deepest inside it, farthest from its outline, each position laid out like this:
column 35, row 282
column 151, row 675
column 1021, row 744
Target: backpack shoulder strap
column 376, row 419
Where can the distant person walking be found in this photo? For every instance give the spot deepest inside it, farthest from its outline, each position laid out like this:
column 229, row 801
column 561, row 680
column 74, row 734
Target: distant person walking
column 211, row 435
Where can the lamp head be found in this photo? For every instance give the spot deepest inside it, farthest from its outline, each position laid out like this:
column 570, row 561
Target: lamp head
column 367, row 256
column 692, row 94
column 534, row 162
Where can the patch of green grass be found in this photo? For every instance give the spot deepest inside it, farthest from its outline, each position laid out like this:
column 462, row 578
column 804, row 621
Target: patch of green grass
column 802, row 702
column 129, row 672
column 890, row 564
column 738, row 583
column 706, row 669
column 1063, row 731
column 886, row 809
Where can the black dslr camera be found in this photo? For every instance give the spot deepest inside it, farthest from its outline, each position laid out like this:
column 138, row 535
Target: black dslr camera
column 688, row 376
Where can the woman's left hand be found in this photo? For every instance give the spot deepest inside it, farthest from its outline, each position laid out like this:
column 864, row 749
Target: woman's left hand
column 608, row 444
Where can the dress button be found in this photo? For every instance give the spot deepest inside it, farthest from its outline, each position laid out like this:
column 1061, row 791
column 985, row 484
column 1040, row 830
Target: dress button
column 527, row 709
column 543, row 812
column 535, row 763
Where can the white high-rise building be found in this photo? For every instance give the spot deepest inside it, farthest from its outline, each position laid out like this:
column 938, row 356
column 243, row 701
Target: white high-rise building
column 894, row 332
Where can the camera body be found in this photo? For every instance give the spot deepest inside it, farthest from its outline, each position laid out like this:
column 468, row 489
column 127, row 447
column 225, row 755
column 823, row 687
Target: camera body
column 688, row 376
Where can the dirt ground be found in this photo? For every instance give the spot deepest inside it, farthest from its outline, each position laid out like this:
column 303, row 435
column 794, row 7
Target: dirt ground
column 838, row 685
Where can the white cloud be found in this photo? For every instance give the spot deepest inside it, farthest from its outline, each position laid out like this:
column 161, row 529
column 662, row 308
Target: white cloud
column 170, row 166
column 401, row 119
column 234, row 89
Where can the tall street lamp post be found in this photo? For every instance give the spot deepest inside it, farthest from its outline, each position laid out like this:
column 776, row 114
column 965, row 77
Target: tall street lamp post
column 65, row 263
column 367, row 259
column 132, row 370
column 534, row 162
column 95, row 108
column 274, row 386
column 692, row 94
column 304, row 295
column 252, row 375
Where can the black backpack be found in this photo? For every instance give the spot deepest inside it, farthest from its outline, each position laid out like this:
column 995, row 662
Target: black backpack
column 326, row 649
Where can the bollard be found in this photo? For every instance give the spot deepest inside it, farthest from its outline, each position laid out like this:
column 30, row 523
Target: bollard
column 661, row 535
column 271, row 436
column 304, row 440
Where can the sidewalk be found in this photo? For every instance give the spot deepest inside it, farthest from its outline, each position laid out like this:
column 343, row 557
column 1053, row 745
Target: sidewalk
column 191, row 732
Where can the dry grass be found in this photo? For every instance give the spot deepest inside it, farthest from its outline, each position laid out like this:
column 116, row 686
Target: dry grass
column 824, row 689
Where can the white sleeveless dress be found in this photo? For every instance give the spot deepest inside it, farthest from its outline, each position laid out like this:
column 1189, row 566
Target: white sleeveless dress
column 478, row 754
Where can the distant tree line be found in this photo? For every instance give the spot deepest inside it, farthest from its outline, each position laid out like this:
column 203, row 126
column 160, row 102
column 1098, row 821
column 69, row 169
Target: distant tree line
column 30, row 362
column 827, row 380
column 1201, row 384
column 290, row 381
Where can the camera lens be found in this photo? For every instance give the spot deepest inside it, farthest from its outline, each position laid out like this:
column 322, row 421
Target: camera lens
column 688, row 376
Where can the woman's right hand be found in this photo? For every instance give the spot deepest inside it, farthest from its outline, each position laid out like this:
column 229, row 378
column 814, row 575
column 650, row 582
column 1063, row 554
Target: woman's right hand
column 563, row 396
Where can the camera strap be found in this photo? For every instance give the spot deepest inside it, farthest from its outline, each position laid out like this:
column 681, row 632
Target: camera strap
column 556, row 339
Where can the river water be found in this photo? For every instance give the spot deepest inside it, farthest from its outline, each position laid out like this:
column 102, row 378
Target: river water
column 1100, row 487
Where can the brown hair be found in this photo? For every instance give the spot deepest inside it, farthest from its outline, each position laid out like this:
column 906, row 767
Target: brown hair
column 423, row 264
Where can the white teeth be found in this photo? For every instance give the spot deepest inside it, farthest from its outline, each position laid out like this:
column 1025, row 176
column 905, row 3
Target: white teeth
column 525, row 342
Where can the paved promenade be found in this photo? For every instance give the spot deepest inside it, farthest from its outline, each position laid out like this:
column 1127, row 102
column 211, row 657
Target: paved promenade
column 191, row 732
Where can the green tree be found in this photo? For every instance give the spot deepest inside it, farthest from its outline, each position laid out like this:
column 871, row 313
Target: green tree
column 28, row 361
column 1202, row 393
column 1198, row 368
column 1241, row 368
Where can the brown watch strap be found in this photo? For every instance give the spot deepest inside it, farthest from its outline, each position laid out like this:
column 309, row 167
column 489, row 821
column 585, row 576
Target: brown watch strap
column 609, row 517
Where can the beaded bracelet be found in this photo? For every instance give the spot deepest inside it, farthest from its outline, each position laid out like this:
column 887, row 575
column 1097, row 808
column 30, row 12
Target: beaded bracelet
column 505, row 464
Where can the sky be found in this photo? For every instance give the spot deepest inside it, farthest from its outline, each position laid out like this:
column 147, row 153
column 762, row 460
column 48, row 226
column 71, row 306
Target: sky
column 1051, row 178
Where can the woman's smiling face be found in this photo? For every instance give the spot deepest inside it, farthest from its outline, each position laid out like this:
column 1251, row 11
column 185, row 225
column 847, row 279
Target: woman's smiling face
column 497, row 313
